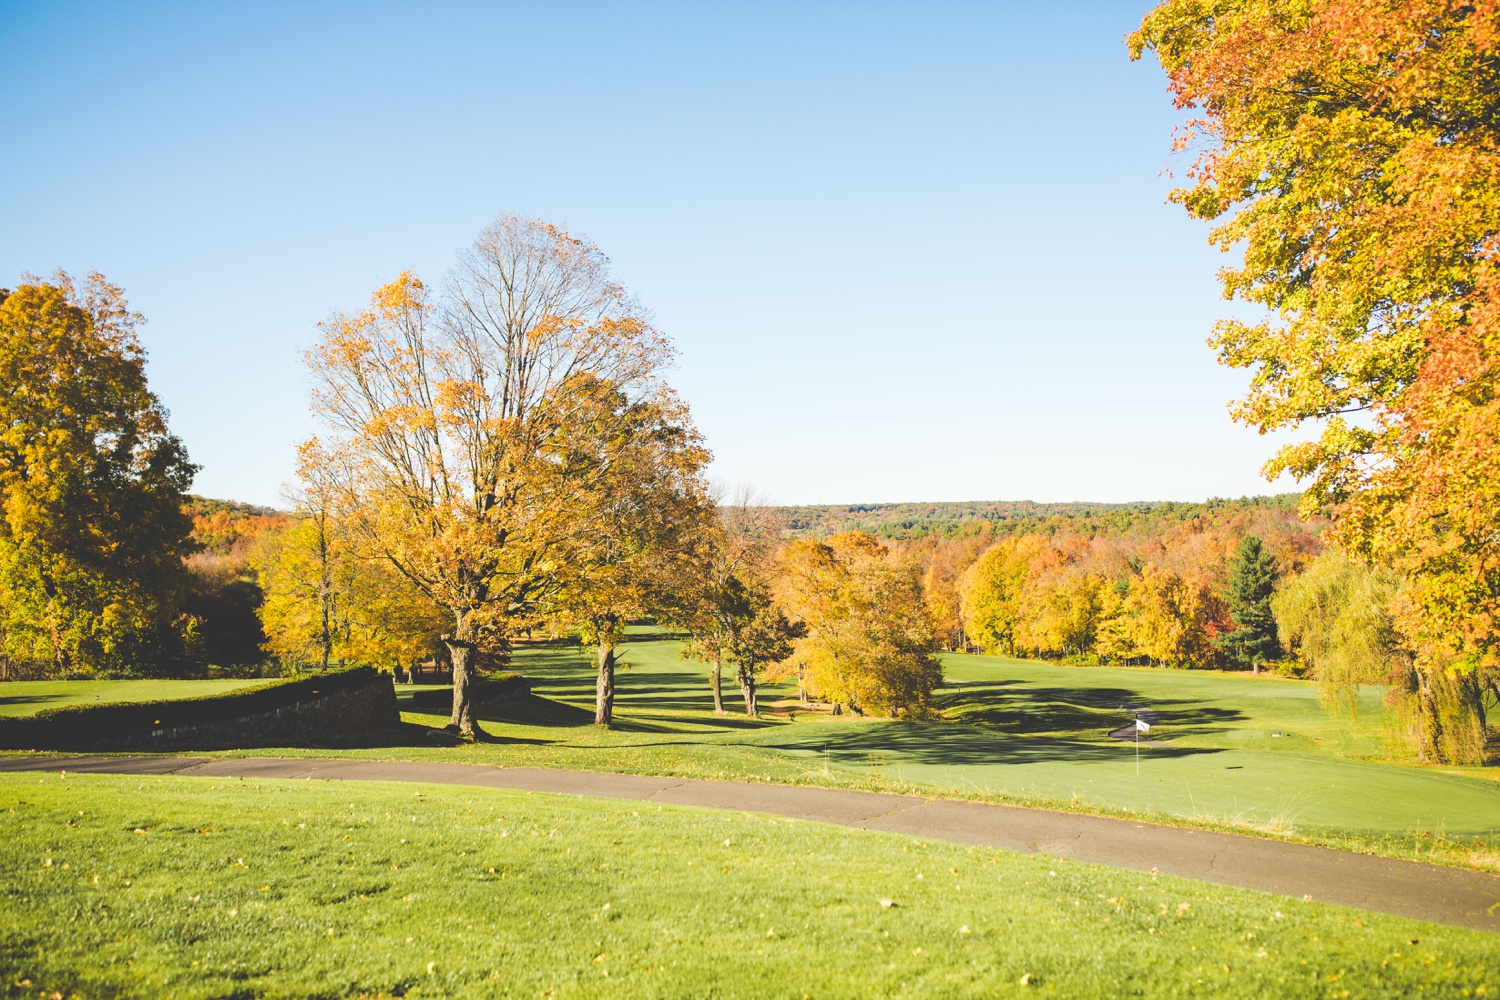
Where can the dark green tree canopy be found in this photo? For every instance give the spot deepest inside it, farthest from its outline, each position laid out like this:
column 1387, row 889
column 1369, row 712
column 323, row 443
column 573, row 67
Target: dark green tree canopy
column 1252, row 581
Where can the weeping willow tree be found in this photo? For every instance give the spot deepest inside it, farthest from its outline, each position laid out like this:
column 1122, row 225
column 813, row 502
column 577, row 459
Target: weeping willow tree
column 1343, row 619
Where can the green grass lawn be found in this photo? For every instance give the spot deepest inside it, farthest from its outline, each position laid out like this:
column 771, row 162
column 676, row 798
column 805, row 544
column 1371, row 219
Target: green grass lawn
column 200, row 887
column 1018, row 732
column 30, row 697
column 1014, row 731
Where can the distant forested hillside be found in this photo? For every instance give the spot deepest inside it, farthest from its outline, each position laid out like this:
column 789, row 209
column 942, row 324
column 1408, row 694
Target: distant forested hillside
column 1005, row 517
column 224, row 593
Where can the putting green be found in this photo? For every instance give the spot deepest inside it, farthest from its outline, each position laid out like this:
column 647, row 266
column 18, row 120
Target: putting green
column 1040, row 730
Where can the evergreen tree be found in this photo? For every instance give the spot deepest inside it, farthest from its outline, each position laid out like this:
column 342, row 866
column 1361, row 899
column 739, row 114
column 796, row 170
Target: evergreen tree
column 1252, row 580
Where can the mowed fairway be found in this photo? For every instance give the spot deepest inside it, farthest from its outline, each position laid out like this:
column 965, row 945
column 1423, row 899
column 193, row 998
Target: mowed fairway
column 29, row 697
column 1015, row 731
column 196, row 887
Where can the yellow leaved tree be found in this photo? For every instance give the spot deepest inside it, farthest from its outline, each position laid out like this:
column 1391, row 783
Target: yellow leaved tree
column 866, row 637
column 461, row 418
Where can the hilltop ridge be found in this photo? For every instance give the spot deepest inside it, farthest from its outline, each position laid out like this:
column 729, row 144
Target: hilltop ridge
column 971, row 517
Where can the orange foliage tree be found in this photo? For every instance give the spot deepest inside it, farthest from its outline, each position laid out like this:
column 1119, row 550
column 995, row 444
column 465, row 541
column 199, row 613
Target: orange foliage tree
column 1351, row 148
column 470, row 426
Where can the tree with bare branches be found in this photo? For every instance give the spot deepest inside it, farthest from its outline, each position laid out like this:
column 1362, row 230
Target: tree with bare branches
column 460, row 416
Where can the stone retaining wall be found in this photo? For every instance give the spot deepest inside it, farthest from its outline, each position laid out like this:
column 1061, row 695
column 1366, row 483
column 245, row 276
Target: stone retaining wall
column 327, row 708
column 340, row 715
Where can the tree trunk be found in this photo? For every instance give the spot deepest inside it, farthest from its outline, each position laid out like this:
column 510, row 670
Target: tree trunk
column 604, row 690
column 1429, row 723
column 325, row 596
column 746, row 676
column 714, row 670
column 461, row 652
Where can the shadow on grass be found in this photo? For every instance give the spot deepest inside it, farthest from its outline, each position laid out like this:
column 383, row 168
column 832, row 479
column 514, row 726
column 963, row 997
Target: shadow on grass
column 944, row 744
column 1021, row 708
column 29, row 699
column 535, row 710
column 636, row 688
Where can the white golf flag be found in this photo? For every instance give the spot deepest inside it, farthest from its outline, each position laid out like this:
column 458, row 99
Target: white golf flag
column 1142, row 725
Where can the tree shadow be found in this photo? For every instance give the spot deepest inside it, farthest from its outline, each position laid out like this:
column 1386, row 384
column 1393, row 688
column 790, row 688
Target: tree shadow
column 30, row 699
column 637, row 688
column 1019, row 708
column 644, row 724
column 948, row 745
column 535, row 710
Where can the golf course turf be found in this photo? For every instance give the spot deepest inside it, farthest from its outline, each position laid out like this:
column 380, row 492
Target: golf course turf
column 199, row 887
column 29, row 697
column 1014, row 731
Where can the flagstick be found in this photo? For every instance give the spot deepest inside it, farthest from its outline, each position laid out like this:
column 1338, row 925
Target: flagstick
column 1138, row 750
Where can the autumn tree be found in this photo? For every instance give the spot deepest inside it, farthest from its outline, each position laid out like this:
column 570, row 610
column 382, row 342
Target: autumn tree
column 645, row 508
column 460, row 416
column 728, row 570
column 719, row 603
column 1060, row 612
column 1252, row 581
column 303, row 579
column 868, row 640
column 743, row 625
column 946, row 561
column 1338, row 617
column 92, row 484
column 991, row 592
column 305, row 571
column 1350, row 149
column 761, row 635
column 1160, row 617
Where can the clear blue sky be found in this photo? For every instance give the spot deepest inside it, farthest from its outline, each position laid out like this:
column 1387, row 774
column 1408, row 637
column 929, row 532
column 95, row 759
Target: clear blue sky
column 907, row 252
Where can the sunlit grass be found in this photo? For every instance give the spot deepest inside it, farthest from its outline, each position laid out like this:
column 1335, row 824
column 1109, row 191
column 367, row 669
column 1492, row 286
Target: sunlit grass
column 195, row 887
column 29, row 697
column 1015, row 732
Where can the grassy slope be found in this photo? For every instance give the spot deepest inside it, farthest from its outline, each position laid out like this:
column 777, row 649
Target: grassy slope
column 191, row 887
column 1021, row 732
column 29, row 697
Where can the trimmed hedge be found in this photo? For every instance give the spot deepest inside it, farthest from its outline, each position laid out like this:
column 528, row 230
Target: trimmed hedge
column 109, row 723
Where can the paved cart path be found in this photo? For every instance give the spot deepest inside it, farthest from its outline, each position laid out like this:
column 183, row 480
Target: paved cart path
column 1406, row 888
